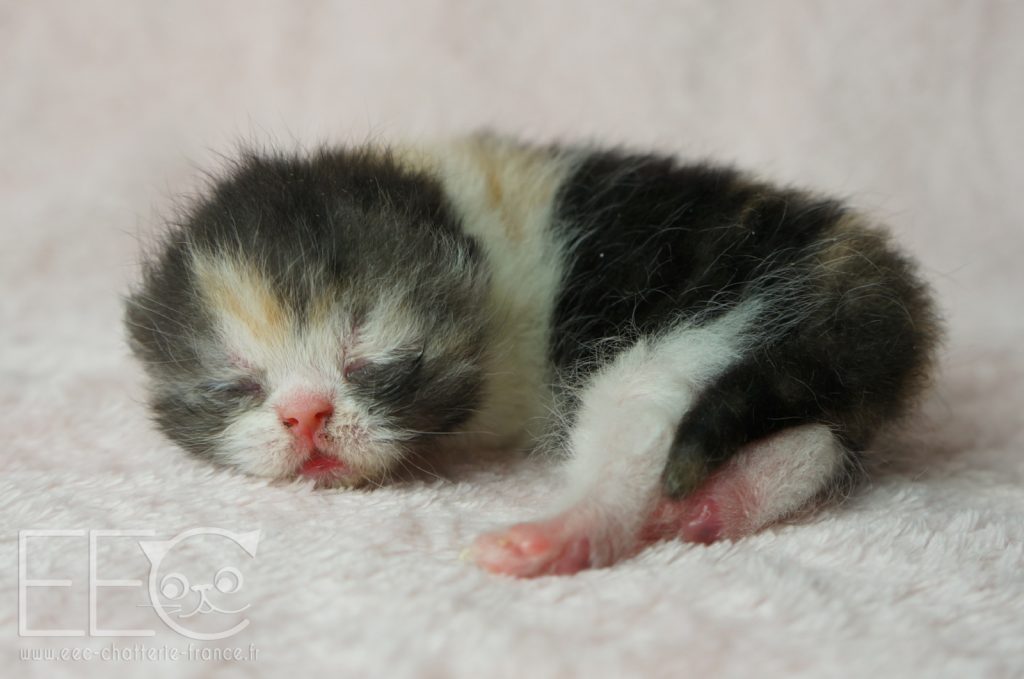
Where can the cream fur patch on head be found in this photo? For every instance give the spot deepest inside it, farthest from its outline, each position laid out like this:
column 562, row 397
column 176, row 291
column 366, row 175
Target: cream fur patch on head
column 250, row 314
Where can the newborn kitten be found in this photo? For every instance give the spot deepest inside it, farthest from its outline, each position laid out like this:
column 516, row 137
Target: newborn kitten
column 712, row 352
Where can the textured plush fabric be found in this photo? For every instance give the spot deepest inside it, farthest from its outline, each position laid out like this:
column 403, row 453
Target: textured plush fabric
column 109, row 110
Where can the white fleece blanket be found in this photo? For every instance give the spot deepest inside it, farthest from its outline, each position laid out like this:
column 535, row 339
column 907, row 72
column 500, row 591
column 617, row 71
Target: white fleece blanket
column 109, row 109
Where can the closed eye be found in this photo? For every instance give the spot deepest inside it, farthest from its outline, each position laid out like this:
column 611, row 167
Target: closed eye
column 386, row 377
column 243, row 387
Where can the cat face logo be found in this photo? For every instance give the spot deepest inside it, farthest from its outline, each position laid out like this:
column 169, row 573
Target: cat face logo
column 206, row 598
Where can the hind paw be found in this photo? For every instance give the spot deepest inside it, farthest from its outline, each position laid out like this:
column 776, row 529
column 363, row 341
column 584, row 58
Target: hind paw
column 694, row 519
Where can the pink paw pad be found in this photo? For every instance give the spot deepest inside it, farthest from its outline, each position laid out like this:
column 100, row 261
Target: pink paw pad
column 702, row 522
column 718, row 509
column 531, row 549
column 694, row 519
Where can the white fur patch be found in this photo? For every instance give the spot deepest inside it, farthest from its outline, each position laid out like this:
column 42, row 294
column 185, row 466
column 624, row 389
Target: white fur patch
column 627, row 420
column 256, row 327
column 782, row 473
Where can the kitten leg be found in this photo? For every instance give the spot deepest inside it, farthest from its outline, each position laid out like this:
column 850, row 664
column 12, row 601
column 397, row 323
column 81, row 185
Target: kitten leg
column 767, row 480
column 624, row 431
column 852, row 340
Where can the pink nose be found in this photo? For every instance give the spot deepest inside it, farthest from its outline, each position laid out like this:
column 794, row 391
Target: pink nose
column 305, row 414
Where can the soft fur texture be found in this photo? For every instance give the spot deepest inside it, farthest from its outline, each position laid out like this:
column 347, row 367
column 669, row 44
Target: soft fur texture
column 918, row 574
column 337, row 313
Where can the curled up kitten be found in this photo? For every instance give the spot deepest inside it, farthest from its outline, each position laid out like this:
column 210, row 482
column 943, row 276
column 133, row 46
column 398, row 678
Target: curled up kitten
column 713, row 353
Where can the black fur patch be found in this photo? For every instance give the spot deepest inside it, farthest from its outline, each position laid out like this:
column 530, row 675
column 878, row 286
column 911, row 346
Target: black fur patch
column 654, row 242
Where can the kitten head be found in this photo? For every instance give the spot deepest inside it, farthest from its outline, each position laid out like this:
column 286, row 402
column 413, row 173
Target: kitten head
column 318, row 315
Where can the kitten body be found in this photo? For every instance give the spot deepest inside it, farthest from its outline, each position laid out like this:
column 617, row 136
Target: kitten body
column 711, row 352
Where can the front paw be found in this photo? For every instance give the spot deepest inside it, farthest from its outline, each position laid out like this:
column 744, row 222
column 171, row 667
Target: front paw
column 529, row 550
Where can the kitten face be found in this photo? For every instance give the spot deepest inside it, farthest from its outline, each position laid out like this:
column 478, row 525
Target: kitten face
column 301, row 321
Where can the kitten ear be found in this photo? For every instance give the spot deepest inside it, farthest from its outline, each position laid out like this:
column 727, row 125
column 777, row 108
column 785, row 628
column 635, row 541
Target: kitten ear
column 155, row 551
column 249, row 541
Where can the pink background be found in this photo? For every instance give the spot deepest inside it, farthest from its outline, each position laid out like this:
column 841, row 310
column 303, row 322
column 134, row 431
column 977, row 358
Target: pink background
column 913, row 111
